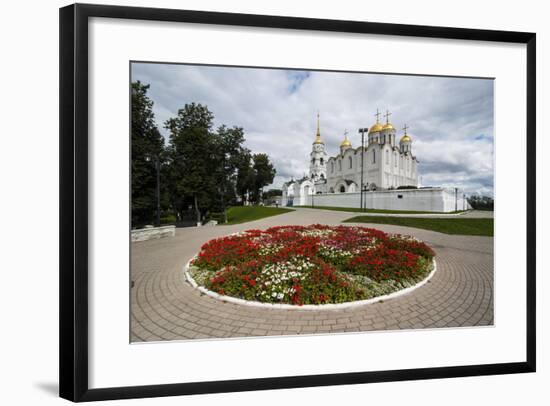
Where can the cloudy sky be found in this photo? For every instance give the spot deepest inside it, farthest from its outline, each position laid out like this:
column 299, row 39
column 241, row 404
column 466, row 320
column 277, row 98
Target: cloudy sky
column 450, row 119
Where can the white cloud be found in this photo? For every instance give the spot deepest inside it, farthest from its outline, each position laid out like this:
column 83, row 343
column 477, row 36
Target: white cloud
column 450, row 119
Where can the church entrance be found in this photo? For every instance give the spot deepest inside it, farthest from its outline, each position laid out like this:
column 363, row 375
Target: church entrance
column 342, row 189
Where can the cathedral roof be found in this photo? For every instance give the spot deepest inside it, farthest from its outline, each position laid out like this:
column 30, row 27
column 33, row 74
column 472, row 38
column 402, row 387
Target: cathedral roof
column 406, row 137
column 388, row 125
column 346, row 142
column 376, row 128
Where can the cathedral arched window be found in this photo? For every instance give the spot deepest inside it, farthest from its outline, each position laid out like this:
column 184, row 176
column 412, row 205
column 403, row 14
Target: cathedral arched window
column 395, row 159
column 387, row 157
column 350, row 162
column 339, row 165
column 322, row 161
column 332, row 167
column 373, row 156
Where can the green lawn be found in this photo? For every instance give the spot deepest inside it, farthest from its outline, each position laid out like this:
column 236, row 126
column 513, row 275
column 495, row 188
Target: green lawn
column 244, row 214
column 378, row 211
column 463, row 226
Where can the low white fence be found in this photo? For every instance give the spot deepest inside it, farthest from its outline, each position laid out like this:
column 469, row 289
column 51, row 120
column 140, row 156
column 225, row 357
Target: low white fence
column 431, row 200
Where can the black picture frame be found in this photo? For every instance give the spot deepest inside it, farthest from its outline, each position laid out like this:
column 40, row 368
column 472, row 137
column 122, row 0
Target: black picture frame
column 73, row 277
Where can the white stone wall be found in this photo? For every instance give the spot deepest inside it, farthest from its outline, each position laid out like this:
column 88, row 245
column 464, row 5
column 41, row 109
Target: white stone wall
column 434, row 200
column 296, row 193
column 152, row 233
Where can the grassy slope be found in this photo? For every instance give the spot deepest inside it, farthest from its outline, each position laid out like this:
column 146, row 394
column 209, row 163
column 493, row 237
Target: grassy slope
column 243, row 214
column 463, row 226
column 356, row 209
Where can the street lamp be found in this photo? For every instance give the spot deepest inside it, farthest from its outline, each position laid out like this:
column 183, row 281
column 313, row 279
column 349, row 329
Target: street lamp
column 362, row 131
column 156, row 161
column 456, row 199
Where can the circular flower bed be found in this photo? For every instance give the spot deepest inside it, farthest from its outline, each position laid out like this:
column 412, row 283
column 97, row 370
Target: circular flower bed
column 314, row 264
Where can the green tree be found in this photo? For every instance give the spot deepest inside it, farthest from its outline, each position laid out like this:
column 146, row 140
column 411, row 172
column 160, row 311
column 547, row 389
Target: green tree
column 193, row 156
column 228, row 143
column 481, row 202
column 245, row 175
column 272, row 193
column 207, row 169
column 147, row 147
column 264, row 173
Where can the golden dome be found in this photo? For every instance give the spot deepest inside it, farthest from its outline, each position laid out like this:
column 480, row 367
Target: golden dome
column 388, row 125
column 405, row 138
column 345, row 143
column 376, row 128
column 318, row 140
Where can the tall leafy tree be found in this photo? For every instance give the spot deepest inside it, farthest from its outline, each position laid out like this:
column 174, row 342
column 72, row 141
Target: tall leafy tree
column 228, row 143
column 193, row 158
column 147, row 148
column 245, row 175
column 264, row 173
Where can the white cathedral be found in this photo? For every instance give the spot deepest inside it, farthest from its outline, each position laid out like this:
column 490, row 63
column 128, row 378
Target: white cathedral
column 388, row 167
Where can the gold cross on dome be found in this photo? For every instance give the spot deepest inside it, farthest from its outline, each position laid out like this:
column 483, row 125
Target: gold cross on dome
column 377, row 115
column 388, row 114
column 405, row 128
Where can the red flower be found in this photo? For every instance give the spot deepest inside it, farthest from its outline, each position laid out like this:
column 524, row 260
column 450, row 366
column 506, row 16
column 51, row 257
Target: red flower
column 376, row 255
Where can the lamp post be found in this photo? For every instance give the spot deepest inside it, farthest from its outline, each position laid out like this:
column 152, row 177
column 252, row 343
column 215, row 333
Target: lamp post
column 156, row 161
column 362, row 131
column 223, row 190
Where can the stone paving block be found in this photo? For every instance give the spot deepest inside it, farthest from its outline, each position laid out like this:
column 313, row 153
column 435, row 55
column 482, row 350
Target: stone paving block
column 165, row 307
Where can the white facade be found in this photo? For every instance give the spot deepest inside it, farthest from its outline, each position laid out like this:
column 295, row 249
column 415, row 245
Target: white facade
column 387, row 165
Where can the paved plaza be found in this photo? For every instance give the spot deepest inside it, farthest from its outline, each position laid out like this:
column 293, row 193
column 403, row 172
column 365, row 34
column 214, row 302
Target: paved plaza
column 165, row 307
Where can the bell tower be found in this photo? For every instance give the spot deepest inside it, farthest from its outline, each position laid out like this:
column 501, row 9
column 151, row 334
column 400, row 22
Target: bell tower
column 318, row 163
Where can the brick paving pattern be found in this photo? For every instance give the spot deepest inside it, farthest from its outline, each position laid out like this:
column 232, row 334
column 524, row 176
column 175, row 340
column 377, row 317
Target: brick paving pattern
column 165, row 307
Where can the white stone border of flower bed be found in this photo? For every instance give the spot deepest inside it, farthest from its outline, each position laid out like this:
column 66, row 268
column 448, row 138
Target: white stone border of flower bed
column 284, row 306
